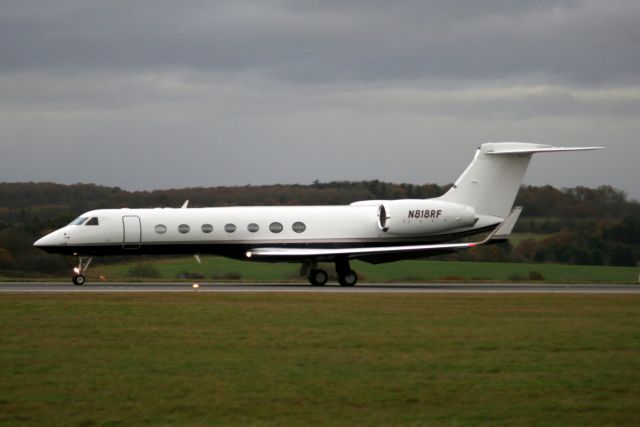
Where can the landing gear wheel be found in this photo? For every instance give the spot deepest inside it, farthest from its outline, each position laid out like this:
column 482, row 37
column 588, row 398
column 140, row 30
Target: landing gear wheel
column 83, row 264
column 349, row 279
column 318, row 277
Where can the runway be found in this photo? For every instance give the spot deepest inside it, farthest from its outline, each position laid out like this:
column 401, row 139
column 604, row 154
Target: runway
column 395, row 288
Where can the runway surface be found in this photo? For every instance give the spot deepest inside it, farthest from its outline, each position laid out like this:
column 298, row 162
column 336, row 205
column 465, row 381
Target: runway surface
column 395, row 288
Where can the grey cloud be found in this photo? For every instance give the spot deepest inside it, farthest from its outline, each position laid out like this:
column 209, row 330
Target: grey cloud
column 321, row 41
column 120, row 92
column 236, row 92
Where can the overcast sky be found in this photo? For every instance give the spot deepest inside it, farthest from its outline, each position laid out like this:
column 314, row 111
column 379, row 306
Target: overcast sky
column 169, row 94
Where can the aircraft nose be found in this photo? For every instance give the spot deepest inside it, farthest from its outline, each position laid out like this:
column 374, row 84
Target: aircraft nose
column 50, row 240
column 40, row 242
column 43, row 241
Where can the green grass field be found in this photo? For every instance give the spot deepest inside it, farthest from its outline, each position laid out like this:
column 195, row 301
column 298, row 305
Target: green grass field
column 230, row 359
column 217, row 269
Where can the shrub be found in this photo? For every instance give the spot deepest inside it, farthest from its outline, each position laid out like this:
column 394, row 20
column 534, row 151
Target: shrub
column 535, row 275
column 623, row 256
column 452, row 278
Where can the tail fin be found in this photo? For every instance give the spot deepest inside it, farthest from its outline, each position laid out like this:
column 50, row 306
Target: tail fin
column 492, row 180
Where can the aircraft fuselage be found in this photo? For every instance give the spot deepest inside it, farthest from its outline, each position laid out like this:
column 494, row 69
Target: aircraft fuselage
column 375, row 231
column 232, row 231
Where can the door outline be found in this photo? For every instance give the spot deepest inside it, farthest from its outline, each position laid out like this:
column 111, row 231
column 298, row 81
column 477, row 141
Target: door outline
column 131, row 228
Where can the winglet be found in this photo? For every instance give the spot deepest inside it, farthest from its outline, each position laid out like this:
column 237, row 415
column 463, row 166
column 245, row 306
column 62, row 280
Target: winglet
column 503, row 231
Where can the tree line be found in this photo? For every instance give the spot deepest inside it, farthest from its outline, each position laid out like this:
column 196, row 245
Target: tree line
column 580, row 225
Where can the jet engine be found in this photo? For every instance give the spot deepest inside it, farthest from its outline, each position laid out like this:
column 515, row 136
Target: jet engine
column 417, row 217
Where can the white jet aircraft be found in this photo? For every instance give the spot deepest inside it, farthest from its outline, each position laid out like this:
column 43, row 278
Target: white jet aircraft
column 375, row 231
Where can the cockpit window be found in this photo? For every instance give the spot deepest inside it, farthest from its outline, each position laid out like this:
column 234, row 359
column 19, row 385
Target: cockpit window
column 92, row 221
column 79, row 220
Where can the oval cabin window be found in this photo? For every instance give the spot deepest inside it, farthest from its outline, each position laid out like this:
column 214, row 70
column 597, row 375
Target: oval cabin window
column 253, row 227
column 160, row 229
column 298, row 227
column 184, row 228
column 207, row 228
column 230, row 228
column 275, row 227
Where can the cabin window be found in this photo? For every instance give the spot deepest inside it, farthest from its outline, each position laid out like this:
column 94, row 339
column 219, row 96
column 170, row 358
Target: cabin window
column 184, row 228
column 160, row 229
column 79, row 220
column 230, row 228
column 275, row 227
column 253, row 227
column 298, row 227
column 92, row 221
column 207, row 228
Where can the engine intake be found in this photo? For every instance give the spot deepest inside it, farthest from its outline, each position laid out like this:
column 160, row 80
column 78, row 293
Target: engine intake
column 415, row 217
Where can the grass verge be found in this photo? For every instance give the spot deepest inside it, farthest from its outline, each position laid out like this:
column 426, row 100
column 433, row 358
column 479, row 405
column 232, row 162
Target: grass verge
column 228, row 359
column 218, row 269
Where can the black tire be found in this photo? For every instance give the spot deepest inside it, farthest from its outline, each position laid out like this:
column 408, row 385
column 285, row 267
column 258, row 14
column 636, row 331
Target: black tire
column 78, row 280
column 349, row 279
column 318, row 277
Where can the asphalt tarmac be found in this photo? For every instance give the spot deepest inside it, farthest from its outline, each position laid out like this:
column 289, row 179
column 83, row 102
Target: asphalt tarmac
column 395, row 288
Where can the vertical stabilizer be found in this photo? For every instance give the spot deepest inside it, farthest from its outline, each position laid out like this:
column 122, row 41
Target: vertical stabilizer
column 491, row 182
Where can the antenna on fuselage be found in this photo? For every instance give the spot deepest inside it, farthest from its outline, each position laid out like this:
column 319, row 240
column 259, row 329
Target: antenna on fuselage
column 185, row 204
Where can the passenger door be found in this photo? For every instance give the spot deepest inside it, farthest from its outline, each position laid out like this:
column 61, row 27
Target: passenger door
column 131, row 232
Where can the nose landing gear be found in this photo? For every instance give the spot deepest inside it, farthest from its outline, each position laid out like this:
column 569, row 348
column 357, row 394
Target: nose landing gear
column 78, row 276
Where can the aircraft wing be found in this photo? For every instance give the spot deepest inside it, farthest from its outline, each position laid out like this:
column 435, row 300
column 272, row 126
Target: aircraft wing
column 500, row 233
column 353, row 252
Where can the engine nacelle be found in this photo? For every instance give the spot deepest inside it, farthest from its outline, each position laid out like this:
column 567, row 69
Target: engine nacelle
column 417, row 217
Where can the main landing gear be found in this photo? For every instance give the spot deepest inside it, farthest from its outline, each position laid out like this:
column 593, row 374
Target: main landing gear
column 346, row 276
column 78, row 276
column 318, row 277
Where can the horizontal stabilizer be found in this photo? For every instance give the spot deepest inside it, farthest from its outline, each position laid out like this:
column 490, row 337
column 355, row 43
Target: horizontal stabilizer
column 522, row 148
